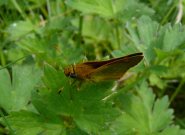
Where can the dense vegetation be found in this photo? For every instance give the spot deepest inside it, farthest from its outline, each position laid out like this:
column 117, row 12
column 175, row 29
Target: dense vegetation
column 40, row 37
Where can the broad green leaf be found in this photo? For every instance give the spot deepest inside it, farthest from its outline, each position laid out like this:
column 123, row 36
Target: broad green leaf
column 143, row 114
column 52, row 78
column 19, row 29
column 16, row 90
column 174, row 37
column 57, row 24
column 132, row 9
column 147, row 30
column 144, row 36
column 83, row 108
column 156, row 81
column 45, row 49
column 148, row 36
column 172, row 130
column 105, row 8
column 34, row 45
column 5, row 90
column 96, row 28
column 29, row 123
column 110, row 8
column 3, row 2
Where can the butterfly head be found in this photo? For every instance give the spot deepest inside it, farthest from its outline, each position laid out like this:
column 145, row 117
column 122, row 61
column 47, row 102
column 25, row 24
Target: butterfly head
column 70, row 72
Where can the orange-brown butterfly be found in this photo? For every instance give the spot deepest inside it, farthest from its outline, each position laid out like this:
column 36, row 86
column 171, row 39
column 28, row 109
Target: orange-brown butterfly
column 112, row 69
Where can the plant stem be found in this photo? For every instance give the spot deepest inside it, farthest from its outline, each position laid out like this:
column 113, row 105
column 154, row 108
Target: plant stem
column 80, row 30
column 117, row 36
column 168, row 14
column 3, row 61
column 19, row 9
column 9, row 64
column 177, row 90
column 49, row 9
column 6, row 122
column 97, row 51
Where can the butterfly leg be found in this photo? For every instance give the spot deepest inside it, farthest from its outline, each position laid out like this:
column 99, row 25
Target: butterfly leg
column 79, row 84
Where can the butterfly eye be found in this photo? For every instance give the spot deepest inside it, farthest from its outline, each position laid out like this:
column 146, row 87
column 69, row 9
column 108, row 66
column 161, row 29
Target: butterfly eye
column 72, row 75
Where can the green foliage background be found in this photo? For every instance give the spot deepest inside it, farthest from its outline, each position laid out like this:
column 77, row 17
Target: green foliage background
column 39, row 38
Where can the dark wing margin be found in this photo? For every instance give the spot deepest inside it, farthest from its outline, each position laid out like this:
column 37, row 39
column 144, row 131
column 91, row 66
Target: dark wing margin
column 97, row 64
column 116, row 68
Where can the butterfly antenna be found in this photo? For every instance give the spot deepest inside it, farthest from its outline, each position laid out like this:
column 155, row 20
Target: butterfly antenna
column 73, row 69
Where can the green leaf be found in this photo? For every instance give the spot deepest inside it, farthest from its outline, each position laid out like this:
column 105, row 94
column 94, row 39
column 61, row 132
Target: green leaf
column 29, row 123
column 82, row 108
column 3, row 2
column 53, row 79
column 102, row 7
column 144, row 37
column 174, row 37
column 96, row 28
column 156, row 81
column 85, row 108
column 172, row 130
column 110, row 8
column 143, row 115
column 149, row 36
column 147, row 30
column 131, row 9
column 16, row 91
column 20, row 29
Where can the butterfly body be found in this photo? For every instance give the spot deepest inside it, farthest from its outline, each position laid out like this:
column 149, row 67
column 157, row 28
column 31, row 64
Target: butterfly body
column 112, row 69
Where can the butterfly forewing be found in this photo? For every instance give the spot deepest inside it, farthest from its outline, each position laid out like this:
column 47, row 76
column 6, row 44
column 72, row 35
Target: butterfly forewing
column 112, row 69
column 116, row 68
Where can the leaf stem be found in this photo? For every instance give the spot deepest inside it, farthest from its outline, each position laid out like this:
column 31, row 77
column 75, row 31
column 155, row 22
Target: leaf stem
column 168, row 14
column 117, row 36
column 9, row 64
column 6, row 122
column 14, row 2
column 49, row 9
column 97, row 51
column 80, row 30
column 177, row 90
column 3, row 61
